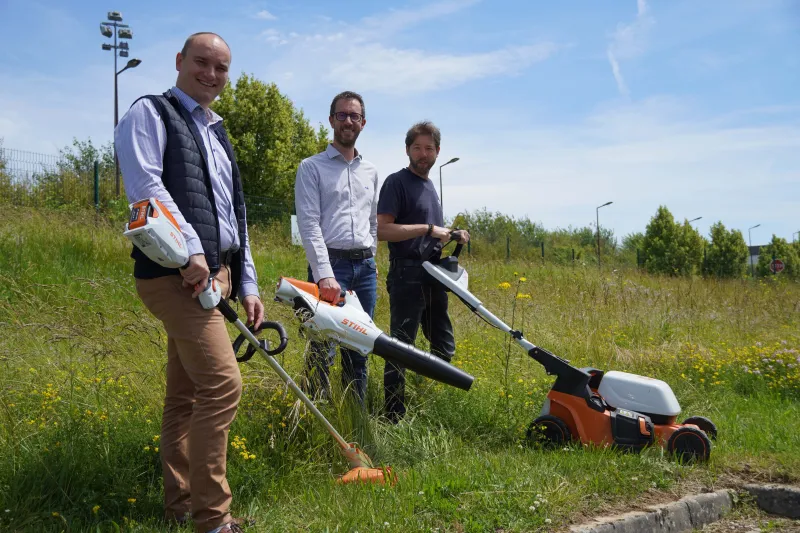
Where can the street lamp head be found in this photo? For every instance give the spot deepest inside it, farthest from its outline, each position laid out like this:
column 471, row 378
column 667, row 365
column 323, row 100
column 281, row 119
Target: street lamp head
column 125, row 33
column 754, row 227
column 605, row 204
column 107, row 47
column 123, row 53
column 695, row 219
column 453, row 160
column 106, row 30
column 133, row 63
column 115, row 16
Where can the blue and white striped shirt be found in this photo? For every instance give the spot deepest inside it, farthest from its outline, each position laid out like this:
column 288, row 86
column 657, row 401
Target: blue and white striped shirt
column 140, row 139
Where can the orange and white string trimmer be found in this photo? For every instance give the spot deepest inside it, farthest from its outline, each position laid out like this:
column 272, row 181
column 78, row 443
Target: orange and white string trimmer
column 156, row 233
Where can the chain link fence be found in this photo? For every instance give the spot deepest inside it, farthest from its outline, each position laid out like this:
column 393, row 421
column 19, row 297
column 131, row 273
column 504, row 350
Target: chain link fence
column 31, row 179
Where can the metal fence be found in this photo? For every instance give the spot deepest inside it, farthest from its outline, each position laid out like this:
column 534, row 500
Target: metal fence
column 31, row 179
column 39, row 180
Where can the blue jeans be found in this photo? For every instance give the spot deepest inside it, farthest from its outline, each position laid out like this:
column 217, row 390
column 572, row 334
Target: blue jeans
column 361, row 277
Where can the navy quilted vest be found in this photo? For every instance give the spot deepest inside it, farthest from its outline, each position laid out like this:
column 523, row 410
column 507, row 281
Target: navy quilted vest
column 187, row 179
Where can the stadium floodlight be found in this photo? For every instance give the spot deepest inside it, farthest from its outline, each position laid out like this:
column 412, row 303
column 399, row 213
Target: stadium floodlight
column 123, row 31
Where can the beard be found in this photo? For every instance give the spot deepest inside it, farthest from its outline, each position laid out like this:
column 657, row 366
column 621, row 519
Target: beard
column 421, row 166
column 347, row 141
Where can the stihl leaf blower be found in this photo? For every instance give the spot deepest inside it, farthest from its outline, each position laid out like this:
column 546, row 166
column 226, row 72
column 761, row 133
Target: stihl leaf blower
column 156, row 233
column 595, row 407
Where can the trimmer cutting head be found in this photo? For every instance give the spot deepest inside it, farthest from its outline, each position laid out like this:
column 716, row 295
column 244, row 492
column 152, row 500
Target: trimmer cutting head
column 363, row 471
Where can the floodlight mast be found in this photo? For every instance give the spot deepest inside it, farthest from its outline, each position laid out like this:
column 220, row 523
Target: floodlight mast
column 113, row 26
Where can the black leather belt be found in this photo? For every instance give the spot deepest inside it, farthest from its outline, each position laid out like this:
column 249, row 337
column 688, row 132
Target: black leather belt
column 353, row 255
column 226, row 256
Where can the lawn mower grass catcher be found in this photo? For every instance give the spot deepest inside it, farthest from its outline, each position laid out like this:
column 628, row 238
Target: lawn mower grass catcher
column 600, row 408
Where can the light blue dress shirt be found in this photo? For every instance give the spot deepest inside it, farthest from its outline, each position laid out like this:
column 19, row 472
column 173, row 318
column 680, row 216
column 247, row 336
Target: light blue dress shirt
column 337, row 204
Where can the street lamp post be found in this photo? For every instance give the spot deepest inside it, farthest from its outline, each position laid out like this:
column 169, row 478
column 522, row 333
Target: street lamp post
column 114, row 27
column 795, row 233
column 597, row 211
column 441, row 192
column 750, row 240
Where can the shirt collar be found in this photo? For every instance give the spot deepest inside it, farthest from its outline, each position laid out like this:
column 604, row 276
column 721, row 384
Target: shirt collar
column 193, row 107
column 333, row 153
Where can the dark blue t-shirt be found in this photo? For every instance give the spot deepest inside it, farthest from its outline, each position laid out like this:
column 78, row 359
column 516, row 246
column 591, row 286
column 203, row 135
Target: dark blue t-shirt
column 410, row 199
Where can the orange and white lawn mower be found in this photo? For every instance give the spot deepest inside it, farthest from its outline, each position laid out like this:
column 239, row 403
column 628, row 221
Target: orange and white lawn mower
column 589, row 405
column 156, row 233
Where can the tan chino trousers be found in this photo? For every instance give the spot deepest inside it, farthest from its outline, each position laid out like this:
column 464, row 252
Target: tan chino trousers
column 203, row 390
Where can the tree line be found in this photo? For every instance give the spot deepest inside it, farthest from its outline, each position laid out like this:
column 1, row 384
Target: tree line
column 678, row 249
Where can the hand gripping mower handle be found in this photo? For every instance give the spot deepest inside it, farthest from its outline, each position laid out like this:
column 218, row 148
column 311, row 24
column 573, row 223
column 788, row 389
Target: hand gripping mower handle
column 436, row 246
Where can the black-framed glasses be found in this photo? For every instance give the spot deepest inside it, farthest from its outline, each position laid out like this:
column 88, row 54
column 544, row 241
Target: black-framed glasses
column 341, row 116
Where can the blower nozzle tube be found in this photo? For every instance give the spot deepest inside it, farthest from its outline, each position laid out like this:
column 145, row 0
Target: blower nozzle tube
column 423, row 363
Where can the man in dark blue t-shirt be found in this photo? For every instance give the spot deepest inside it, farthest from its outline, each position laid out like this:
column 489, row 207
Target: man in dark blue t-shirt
column 410, row 218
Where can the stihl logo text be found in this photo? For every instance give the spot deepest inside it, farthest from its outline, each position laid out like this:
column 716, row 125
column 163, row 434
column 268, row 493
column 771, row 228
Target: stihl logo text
column 352, row 325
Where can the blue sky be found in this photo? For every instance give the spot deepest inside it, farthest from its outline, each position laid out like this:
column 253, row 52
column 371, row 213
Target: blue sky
column 553, row 107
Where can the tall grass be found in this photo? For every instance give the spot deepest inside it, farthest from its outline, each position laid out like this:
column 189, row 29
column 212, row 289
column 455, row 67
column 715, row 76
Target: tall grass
column 83, row 377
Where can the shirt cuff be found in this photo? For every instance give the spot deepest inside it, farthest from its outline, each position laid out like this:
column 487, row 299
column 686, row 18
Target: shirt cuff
column 194, row 246
column 323, row 271
column 248, row 289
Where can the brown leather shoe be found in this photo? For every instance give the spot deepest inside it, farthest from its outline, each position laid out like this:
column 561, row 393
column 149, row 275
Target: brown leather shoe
column 244, row 522
column 237, row 525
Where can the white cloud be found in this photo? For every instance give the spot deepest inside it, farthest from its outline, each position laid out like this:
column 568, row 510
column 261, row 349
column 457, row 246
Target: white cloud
column 367, row 59
column 390, row 70
column 265, row 15
column 398, row 19
column 627, row 42
column 621, row 86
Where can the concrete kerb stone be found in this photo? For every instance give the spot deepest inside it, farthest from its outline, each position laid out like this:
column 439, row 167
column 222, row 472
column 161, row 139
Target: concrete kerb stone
column 688, row 513
column 776, row 499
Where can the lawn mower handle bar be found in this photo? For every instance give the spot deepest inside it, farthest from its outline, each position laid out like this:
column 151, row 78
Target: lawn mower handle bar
column 552, row 363
column 430, row 250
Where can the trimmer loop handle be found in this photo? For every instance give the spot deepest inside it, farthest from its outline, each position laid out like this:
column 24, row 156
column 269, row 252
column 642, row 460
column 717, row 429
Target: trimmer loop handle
column 263, row 343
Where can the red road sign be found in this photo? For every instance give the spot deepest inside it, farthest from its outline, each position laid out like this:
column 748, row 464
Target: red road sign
column 776, row 266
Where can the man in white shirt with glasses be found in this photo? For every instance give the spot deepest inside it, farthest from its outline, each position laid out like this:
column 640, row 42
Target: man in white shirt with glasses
column 336, row 198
